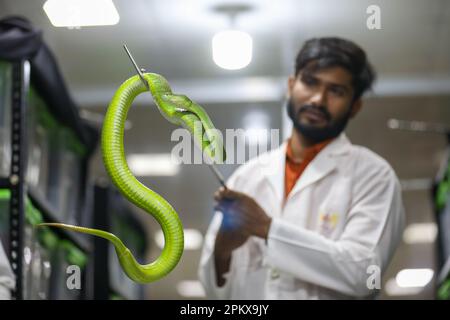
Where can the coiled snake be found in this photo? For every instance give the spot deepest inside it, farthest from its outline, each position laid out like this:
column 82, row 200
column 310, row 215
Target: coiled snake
column 177, row 109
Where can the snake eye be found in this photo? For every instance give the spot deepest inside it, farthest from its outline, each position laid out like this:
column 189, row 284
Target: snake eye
column 181, row 110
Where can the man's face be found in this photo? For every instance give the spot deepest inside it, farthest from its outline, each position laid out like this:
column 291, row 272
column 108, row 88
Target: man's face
column 321, row 102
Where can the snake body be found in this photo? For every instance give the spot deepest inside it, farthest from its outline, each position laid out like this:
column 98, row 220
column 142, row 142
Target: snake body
column 179, row 110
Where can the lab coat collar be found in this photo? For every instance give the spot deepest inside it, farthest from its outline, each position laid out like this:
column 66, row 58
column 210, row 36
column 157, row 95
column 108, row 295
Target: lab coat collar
column 323, row 164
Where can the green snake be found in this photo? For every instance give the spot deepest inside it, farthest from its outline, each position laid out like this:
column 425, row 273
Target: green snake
column 177, row 109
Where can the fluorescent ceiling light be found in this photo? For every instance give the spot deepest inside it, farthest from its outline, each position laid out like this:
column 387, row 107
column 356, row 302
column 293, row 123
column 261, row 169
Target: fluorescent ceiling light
column 420, row 233
column 256, row 125
column 408, row 278
column 153, row 164
column 256, row 136
column 80, row 13
column 190, row 288
column 232, row 49
column 193, row 239
column 416, row 184
column 392, row 289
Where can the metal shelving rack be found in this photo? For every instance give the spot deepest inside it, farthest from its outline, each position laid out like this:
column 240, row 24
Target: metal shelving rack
column 43, row 167
column 17, row 185
column 20, row 83
column 35, row 96
column 101, row 278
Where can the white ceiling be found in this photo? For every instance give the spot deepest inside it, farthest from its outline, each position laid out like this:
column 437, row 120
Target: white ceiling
column 173, row 38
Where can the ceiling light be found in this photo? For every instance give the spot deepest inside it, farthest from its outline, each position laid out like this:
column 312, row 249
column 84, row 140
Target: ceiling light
column 392, row 289
column 191, row 289
column 153, row 164
column 256, row 125
column 232, row 49
column 408, row 278
column 420, row 233
column 80, row 13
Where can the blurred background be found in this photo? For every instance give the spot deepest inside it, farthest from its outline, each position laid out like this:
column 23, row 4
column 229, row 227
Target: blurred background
column 405, row 119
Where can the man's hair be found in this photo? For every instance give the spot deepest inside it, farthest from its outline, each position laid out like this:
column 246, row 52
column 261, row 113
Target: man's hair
column 321, row 53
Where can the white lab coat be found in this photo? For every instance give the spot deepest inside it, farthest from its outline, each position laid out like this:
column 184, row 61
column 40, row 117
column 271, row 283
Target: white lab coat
column 344, row 214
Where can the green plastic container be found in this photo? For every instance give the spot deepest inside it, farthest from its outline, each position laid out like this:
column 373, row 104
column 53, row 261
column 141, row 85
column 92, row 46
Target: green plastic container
column 5, row 195
column 70, row 157
column 40, row 132
column 444, row 290
column 39, row 246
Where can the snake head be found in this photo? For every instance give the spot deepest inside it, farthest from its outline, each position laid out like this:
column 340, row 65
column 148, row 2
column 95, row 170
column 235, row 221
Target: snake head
column 179, row 109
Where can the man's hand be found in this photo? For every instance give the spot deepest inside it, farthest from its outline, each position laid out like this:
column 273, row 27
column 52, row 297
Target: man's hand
column 242, row 217
column 242, row 214
column 227, row 240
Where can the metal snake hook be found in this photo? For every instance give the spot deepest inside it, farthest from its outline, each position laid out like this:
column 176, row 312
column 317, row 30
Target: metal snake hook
column 140, row 71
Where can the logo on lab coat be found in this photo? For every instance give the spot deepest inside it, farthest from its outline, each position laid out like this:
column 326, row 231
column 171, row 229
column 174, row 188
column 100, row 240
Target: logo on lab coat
column 328, row 222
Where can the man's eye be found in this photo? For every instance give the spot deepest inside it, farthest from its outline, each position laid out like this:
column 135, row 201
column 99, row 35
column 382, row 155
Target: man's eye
column 309, row 81
column 337, row 91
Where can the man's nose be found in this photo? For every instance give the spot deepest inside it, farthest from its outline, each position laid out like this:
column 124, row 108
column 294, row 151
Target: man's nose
column 319, row 98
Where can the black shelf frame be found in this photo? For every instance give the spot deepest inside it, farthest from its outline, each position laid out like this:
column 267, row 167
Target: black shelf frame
column 20, row 86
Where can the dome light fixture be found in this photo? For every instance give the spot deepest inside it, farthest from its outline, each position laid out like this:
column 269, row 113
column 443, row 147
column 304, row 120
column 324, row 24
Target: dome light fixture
column 232, row 49
column 81, row 13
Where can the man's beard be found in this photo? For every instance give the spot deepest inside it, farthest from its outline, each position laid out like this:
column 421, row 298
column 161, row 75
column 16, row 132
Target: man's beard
column 313, row 133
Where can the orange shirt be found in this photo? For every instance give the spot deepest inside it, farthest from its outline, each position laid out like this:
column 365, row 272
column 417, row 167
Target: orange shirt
column 293, row 170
